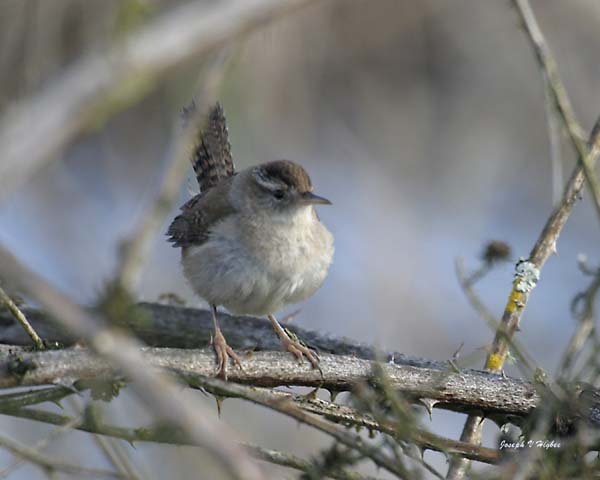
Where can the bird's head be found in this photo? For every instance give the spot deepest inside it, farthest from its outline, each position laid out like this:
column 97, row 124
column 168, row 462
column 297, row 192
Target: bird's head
column 281, row 186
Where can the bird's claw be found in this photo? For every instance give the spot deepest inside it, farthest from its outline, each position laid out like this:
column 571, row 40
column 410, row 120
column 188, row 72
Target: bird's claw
column 224, row 352
column 300, row 351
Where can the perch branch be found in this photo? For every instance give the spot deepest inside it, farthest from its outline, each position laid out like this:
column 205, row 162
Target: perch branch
column 467, row 390
column 183, row 327
column 178, row 326
column 171, row 326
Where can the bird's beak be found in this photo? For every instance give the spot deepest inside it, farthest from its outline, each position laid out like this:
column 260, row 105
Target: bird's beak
column 310, row 198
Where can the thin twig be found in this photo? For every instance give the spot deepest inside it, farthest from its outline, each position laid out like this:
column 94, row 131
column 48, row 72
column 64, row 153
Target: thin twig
column 554, row 137
column 111, row 450
column 274, row 402
column 527, row 364
column 563, row 104
column 584, row 330
column 341, row 414
column 68, row 424
column 291, row 461
column 47, row 463
column 160, row 435
column 6, row 301
column 13, row 401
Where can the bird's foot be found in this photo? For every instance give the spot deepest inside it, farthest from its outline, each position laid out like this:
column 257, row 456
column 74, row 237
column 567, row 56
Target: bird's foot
column 292, row 344
column 224, row 352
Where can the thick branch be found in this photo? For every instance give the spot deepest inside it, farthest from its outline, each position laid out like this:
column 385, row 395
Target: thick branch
column 181, row 327
column 463, row 391
column 169, row 326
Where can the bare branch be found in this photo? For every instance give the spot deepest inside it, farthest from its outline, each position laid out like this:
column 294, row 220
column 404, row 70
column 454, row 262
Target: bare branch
column 463, row 391
column 5, row 300
column 182, row 327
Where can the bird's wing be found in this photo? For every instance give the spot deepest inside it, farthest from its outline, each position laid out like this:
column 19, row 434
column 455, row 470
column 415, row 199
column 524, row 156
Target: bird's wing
column 211, row 156
column 199, row 214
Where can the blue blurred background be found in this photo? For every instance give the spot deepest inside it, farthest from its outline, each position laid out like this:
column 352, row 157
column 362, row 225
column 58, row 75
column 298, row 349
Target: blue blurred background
column 424, row 123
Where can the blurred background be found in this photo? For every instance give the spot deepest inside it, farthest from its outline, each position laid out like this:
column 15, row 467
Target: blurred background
column 424, row 122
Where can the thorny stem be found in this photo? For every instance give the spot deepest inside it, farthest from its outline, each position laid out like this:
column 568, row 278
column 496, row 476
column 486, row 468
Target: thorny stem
column 340, row 414
column 288, row 408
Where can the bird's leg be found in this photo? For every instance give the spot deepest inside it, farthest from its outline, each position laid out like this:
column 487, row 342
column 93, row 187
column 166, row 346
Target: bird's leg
column 294, row 346
column 222, row 350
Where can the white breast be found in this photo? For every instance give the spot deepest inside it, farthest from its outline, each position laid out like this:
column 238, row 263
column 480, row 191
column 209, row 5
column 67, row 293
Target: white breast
column 258, row 266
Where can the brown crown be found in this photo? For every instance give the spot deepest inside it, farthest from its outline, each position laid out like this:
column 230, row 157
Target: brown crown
column 289, row 173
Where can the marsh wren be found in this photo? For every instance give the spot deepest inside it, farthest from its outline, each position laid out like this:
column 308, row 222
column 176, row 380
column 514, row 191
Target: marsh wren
column 251, row 241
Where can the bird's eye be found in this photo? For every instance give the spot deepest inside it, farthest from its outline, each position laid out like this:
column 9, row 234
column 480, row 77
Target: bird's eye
column 278, row 194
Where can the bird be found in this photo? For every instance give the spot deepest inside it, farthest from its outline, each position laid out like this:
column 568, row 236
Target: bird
column 251, row 241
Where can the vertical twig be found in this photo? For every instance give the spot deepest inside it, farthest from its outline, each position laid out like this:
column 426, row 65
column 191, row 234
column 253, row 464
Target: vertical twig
column 528, row 270
column 558, row 92
column 554, row 138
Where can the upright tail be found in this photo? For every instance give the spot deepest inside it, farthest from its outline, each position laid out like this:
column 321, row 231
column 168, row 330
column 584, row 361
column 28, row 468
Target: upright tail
column 211, row 158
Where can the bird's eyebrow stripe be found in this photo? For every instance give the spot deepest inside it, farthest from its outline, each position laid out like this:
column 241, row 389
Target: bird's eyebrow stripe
column 267, row 182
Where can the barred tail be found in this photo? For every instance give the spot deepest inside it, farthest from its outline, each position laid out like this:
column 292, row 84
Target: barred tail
column 211, row 158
